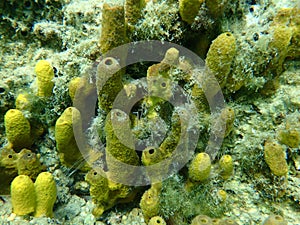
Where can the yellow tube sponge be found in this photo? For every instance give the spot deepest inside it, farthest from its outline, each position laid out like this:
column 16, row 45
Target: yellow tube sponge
column 189, row 9
column 279, row 44
column 23, row 196
column 119, row 146
column 133, row 10
column 8, row 169
column 17, row 129
column 45, row 189
column 275, row 158
column 215, row 221
column 226, row 166
column 150, row 202
column 275, row 220
column 227, row 116
column 99, row 192
column 69, row 121
column 220, row 56
column 289, row 137
column 199, row 98
column 113, row 32
column 216, row 7
column 28, row 163
column 223, row 125
column 73, row 86
column 199, row 169
column 45, row 74
column 157, row 220
column 109, row 82
column 23, row 102
column 201, row 220
column 228, row 222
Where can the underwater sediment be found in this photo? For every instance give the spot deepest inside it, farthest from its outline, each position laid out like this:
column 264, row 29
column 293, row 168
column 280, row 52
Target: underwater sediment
column 201, row 126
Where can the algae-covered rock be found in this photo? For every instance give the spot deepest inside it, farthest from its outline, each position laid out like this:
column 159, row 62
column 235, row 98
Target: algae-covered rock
column 290, row 137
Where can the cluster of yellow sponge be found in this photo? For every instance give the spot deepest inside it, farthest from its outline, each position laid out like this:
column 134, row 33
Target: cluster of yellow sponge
column 38, row 198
